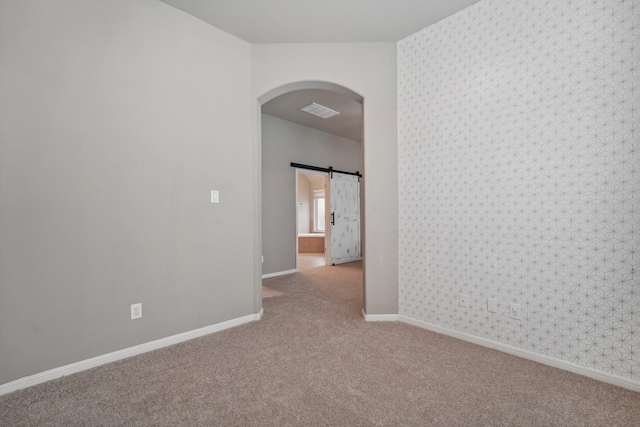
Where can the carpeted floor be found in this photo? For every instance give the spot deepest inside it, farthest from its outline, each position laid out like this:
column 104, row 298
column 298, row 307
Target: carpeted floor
column 312, row 360
column 270, row 293
column 310, row 260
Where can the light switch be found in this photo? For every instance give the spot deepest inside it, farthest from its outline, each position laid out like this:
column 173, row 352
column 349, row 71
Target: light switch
column 215, row 196
column 492, row 305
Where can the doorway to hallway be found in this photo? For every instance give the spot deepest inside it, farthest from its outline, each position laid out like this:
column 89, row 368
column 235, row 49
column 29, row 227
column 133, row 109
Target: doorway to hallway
column 293, row 235
column 311, row 219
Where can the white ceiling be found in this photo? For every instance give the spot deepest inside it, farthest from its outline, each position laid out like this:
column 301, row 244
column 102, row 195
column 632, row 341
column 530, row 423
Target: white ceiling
column 314, row 178
column 348, row 124
column 327, row 21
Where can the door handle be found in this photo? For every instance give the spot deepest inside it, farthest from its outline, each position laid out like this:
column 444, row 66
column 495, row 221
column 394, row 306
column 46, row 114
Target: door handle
column 333, row 219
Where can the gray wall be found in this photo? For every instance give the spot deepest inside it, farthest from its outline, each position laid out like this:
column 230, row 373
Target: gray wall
column 518, row 178
column 282, row 143
column 117, row 118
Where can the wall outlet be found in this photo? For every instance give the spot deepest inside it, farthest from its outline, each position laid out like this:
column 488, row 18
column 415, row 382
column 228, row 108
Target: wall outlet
column 464, row 300
column 136, row 311
column 515, row 311
column 492, row 305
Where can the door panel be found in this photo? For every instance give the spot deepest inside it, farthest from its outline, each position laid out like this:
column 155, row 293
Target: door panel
column 345, row 222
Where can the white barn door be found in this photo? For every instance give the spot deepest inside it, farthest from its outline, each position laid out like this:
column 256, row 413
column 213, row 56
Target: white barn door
column 345, row 218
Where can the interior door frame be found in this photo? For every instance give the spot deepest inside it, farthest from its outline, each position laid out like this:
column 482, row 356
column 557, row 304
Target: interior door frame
column 327, row 212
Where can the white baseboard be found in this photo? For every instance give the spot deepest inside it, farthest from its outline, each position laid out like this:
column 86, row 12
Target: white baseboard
column 279, row 273
column 124, row 353
column 379, row 317
column 526, row 354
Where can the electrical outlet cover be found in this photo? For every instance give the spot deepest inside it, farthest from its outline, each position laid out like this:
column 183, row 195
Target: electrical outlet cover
column 515, row 311
column 136, row 311
column 464, row 300
column 492, row 305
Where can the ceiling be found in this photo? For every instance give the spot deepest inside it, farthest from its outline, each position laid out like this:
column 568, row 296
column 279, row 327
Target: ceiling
column 313, row 178
column 348, row 124
column 328, row 21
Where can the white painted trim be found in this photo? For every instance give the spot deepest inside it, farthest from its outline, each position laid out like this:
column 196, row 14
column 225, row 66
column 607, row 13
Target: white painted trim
column 124, row 353
column 279, row 273
column 526, row 354
column 379, row 317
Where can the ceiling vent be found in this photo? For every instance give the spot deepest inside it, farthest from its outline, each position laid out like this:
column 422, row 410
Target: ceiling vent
column 319, row 111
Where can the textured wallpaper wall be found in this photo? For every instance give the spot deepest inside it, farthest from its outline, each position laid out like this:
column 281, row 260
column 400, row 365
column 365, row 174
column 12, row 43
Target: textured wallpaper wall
column 518, row 177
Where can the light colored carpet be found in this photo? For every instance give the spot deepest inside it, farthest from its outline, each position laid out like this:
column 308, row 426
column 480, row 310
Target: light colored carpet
column 310, row 260
column 270, row 293
column 312, row 360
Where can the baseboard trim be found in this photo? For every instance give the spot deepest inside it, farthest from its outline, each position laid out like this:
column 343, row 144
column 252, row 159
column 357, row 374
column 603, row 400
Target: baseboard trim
column 279, row 273
column 124, row 353
column 526, row 354
column 379, row 317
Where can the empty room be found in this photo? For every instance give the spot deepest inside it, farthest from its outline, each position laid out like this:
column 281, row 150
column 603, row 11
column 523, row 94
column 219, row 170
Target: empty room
column 469, row 217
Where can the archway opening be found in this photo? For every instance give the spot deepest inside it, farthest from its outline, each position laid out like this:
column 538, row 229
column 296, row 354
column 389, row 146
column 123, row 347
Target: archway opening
column 287, row 134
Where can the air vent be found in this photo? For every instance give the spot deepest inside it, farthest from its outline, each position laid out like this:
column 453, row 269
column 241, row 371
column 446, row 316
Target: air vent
column 319, row 111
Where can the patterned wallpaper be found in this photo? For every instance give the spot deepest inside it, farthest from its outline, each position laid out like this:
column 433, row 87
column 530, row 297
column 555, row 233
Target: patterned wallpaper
column 518, row 177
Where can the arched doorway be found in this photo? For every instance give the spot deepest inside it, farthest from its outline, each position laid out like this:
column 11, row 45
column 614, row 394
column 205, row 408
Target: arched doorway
column 278, row 237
